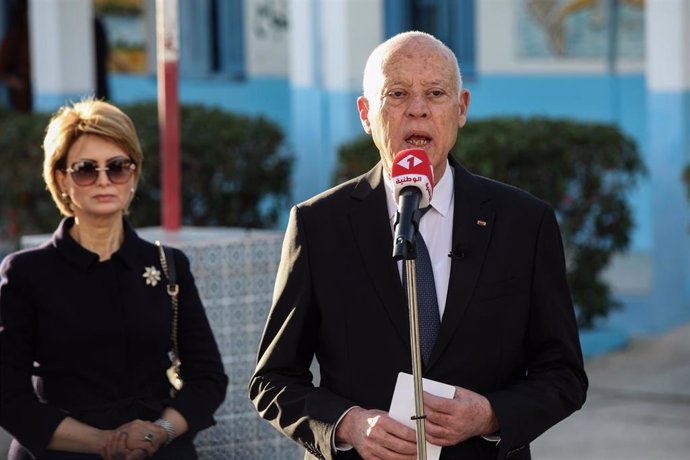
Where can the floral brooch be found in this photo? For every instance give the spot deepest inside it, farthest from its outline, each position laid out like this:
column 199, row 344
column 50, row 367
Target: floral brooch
column 152, row 275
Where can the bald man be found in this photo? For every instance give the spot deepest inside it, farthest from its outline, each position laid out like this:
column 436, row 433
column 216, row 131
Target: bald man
column 508, row 340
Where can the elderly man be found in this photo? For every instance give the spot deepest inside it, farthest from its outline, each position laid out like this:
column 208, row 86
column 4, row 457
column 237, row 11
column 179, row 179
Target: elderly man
column 508, row 340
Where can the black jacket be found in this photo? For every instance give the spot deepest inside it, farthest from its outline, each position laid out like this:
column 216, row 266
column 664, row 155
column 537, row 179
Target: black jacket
column 95, row 338
column 508, row 330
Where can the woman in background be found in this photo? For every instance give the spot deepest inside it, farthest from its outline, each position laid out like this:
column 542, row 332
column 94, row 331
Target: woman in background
column 85, row 319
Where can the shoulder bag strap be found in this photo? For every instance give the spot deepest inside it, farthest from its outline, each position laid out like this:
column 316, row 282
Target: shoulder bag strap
column 168, row 264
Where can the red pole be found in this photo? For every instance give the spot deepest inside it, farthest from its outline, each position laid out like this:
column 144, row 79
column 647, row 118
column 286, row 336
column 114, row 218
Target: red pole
column 168, row 112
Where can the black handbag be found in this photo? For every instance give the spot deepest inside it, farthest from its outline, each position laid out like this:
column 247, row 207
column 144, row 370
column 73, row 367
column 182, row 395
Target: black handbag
column 174, row 372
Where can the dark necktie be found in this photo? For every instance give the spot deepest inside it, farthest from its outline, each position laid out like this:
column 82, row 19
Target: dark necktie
column 427, row 302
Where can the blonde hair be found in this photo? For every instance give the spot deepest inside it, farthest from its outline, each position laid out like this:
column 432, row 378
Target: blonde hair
column 69, row 123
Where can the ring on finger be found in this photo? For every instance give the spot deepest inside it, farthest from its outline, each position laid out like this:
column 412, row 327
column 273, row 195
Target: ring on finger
column 148, row 437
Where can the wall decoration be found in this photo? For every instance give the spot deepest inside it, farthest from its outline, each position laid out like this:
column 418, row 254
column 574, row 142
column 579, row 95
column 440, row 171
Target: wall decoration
column 580, row 28
column 125, row 28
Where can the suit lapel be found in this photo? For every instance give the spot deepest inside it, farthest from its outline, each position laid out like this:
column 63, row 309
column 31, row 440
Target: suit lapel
column 473, row 221
column 372, row 232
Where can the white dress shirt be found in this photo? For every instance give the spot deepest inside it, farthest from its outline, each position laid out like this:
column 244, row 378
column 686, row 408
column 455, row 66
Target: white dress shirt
column 436, row 228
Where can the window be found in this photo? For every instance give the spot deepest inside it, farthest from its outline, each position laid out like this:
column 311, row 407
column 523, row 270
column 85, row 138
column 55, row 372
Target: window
column 451, row 21
column 211, row 38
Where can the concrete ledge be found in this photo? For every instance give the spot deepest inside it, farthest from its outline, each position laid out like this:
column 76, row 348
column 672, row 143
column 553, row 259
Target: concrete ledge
column 629, row 273
column 597, row 342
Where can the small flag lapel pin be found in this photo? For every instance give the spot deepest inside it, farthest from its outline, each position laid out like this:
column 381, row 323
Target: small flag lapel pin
column 481, row 223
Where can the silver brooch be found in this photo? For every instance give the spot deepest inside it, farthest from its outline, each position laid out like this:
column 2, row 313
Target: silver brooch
column 152, row 275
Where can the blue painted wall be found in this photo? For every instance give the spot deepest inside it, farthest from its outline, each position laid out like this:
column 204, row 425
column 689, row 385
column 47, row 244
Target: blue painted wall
column 318, row 121
column 269, row 97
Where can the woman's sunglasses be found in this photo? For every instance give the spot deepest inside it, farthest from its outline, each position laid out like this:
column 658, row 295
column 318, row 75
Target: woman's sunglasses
column 85, row 172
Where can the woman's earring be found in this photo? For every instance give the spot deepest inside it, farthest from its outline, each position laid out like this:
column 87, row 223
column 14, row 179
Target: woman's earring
column 66, row 199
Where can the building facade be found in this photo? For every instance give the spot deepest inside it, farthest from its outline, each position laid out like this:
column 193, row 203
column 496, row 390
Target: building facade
column 299, row 63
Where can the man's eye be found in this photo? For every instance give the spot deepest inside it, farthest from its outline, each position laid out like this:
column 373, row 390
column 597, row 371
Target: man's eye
column 437, row 93
column 397, row 93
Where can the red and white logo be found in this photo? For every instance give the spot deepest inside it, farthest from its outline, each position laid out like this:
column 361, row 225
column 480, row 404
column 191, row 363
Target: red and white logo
column 410, row 161
column 412, row 167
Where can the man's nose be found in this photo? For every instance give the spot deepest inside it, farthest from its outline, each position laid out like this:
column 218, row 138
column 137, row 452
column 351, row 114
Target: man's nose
column 418, row 106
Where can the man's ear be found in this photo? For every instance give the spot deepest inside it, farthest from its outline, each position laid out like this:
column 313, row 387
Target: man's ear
column 463, row 107
column 363, row 108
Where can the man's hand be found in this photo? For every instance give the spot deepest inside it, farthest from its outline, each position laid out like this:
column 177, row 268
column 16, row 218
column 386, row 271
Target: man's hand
column 450, row 421
column 375, row 435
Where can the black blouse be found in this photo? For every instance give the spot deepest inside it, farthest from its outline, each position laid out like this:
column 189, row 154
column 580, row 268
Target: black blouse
column 90, row 339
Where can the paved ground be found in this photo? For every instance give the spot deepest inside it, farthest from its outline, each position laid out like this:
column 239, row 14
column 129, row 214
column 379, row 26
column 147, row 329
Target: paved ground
column 638, row 406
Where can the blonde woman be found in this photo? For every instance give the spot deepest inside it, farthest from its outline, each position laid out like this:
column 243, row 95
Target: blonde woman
column 85, row 319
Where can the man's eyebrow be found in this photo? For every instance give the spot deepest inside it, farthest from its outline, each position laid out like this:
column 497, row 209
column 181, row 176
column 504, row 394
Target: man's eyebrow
column 387, row 84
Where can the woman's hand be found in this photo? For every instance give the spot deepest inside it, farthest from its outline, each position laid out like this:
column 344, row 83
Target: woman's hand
column 134, row 440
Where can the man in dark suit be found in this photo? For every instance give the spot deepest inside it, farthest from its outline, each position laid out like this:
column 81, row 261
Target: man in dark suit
column 508, row 339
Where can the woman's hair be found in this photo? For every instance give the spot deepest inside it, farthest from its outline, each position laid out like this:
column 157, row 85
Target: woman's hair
column 69, row 123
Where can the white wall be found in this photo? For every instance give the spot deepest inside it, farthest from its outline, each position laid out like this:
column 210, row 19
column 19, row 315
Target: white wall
column 62, row 46
column 330, row 41
column 497, row 22
column 350, row 30
column 301, row 42
column 668, row 45
column 266, row 47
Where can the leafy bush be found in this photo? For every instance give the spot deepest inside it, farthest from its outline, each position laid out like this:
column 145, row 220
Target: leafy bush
column 24, row 202
column 584, row 170
column 235, row 171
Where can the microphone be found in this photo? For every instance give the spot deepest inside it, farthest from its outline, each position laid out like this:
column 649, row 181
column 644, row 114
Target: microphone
column 457, row 254
column 413, row 185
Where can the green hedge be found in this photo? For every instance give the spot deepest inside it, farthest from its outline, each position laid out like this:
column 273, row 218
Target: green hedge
column 235, row 171
column 584, row 170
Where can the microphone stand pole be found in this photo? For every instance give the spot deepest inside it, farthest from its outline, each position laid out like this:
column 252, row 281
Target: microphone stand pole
column 419, row 416
column 405, row 249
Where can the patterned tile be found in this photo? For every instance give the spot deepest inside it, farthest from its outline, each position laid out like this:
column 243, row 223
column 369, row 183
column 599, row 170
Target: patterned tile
column 235, row 279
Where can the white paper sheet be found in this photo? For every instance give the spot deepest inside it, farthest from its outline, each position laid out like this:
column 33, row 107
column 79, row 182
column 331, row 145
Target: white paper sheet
column 402, row 405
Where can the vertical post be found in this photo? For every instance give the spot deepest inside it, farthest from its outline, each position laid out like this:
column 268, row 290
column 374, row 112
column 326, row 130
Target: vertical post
column 612, row 57
column 61, row 52
column 667, row 34
column 168, row 111
column 415, row 348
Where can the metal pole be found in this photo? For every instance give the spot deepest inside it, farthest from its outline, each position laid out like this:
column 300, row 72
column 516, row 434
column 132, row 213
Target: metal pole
column 419, row 416
column 168, row 112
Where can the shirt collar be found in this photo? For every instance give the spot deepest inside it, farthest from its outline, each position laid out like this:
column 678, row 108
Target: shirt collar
column 441, row 200
column 82, row 257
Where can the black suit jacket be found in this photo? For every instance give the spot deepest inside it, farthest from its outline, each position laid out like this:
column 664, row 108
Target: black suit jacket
column 508, row 330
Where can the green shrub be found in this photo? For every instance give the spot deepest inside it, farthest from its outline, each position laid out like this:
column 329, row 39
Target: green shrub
column 25, row 202
column 584, row 170
column 234, row 171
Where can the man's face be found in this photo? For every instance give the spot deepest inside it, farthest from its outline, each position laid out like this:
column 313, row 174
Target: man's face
column 415, row 104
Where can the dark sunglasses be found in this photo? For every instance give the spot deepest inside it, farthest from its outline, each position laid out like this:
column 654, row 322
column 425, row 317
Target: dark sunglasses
column 85, row 172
